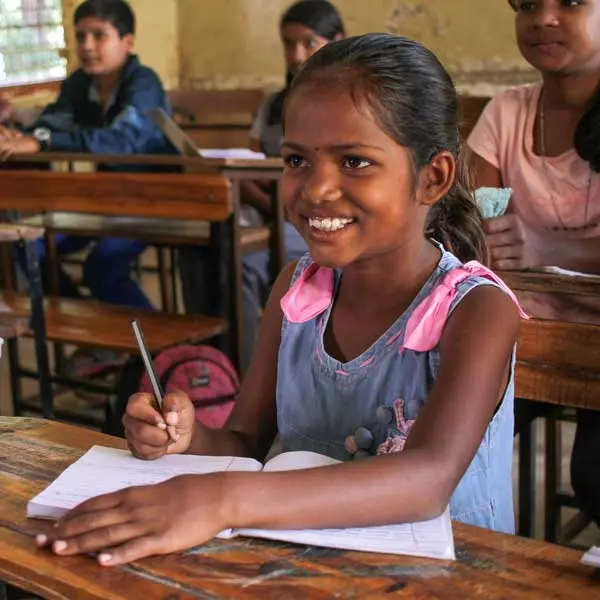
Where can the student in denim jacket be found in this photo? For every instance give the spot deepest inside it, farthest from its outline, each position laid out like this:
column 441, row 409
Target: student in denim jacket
column 102, row 108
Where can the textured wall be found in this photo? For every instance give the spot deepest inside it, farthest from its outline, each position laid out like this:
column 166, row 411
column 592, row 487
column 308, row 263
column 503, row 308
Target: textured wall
column 235, row 42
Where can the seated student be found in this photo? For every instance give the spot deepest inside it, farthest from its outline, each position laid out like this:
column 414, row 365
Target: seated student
column 304, row 28
column 6, row 112
column 543, row 141
column 102, row 108
column 381, row 326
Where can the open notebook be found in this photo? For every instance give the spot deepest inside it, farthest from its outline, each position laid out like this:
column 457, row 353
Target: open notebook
column 103, row 470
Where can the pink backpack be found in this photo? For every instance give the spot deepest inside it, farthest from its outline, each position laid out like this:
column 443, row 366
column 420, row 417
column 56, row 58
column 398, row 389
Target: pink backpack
column 204, row 373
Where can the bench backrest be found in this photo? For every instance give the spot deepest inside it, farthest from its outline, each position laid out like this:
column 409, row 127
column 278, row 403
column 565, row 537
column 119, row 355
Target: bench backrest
column 159, row 195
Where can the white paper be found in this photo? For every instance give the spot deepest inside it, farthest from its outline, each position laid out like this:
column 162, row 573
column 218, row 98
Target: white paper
column 292, row 461
column 432, row 539
column 104, row 470
column 592, row 557
column 233, row 153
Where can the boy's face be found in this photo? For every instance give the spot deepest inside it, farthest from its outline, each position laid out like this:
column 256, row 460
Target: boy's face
column 559, row 36
column 100, row 48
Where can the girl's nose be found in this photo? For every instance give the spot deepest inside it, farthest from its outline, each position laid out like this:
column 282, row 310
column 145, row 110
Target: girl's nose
column 322, row 185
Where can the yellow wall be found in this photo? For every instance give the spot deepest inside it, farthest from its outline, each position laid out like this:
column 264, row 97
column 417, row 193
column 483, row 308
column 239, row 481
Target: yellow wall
column 235, row 43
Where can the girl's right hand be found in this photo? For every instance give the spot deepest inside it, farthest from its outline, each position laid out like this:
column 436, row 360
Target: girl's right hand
column 151, row 434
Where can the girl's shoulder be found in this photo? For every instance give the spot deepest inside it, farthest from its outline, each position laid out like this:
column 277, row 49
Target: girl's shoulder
column 514, row 99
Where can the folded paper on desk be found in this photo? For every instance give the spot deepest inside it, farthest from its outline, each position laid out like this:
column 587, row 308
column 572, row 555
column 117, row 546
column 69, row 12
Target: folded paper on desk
column 232, row 153
column 592, row 557
column 103, row 470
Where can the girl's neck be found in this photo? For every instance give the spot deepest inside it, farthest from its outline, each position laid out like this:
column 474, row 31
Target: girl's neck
column 393, row 276
column 570, row 92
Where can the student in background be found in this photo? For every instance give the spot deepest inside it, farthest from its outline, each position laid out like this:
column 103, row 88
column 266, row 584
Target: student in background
column 304, row 28
column 6, row 112
column 101, row 108
column 381, row 337
column 543, row 141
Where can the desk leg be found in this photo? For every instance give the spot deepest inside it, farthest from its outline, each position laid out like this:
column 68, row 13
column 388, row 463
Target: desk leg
column 3, row 591
column 277, row 238
column 38, row 325
column 527, row 471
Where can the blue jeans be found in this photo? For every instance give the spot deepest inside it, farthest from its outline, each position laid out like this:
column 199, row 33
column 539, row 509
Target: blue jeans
column 106, row 270
column 194, row 271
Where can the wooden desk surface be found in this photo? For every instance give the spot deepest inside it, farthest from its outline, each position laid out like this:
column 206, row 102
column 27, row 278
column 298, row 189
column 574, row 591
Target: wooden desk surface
column 489, row 565
column 533, row 281
column 268, row 164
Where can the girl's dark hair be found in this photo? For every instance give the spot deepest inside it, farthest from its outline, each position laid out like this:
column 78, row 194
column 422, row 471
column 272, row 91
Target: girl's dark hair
column 319, row 15
column 587, row 133
column 116, row 12
column 324, row 19
column 415, row 102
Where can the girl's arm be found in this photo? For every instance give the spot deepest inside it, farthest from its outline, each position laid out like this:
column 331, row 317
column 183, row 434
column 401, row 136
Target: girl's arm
column 413, row 485
column 417, row 483
column 484, row 173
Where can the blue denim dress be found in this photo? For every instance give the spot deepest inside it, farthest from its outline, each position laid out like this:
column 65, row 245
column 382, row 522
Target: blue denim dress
column 321, row 401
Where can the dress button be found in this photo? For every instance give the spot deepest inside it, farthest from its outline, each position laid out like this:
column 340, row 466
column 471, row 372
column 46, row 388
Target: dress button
column 350, row 445
column 363, row 438
column 384, row 415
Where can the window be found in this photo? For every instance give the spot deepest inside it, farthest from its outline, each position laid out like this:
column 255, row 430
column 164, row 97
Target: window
column 31, row 39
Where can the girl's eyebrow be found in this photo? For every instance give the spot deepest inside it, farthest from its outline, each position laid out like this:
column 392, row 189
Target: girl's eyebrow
column 332, row 148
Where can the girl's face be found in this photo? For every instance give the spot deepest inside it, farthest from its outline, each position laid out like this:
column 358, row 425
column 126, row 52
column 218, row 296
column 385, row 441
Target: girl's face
column 347, row 185
column 559, row 36
column 299, row 44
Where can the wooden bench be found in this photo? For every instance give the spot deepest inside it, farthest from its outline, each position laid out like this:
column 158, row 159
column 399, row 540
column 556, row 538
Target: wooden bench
column 202, row 197
column 558, row 363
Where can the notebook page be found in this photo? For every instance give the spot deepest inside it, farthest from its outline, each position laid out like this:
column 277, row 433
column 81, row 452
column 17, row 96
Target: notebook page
column 592, row 557
column 430, row 539
column 104, row 470
column 291, row 461
column 233, row 153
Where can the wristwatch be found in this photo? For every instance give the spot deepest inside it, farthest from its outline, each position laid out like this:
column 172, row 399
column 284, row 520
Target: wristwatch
column 43, row 136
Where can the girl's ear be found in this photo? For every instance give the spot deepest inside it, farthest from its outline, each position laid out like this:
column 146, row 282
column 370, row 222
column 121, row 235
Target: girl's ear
column 436, row 178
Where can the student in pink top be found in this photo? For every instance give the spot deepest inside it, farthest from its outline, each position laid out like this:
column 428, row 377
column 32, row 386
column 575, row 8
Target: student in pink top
column 543, row 141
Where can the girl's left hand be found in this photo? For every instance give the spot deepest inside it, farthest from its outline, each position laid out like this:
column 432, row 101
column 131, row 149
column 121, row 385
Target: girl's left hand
column 142, row 521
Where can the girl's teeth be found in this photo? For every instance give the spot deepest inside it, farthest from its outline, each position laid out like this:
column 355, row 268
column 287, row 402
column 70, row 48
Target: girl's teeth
column 328, row 224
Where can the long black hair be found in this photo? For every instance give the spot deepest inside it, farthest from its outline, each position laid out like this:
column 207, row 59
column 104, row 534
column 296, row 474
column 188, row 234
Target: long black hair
column 320, row 16
column 415, row 102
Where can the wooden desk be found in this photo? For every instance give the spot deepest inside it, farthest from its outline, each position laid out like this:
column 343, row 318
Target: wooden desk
column 236, row 170
column 552, row 283
column 489, row 565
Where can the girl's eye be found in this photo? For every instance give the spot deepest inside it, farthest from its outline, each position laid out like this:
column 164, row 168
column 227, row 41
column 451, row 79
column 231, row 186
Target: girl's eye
column 571, row 3
column 294, row 161
column 524, row 6
column 355, row 162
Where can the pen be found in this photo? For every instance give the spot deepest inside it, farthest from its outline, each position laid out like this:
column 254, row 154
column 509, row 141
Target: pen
column 149, row 365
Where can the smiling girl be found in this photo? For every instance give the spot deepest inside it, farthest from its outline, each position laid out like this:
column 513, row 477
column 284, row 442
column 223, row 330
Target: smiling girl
column 380, row 337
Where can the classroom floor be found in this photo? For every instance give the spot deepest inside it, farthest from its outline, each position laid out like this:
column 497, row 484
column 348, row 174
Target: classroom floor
column 589, row 537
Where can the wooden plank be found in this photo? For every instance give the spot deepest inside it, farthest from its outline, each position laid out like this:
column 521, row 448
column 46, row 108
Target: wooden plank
column 268, row 164
column 489, row 565
column 120, row 194
column 102, row 325
column 530, row 281
column 168, row 232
